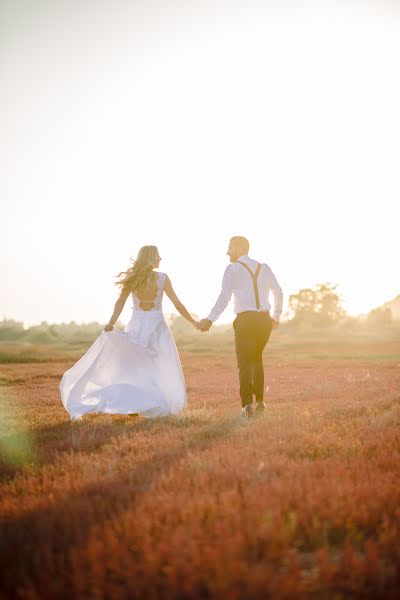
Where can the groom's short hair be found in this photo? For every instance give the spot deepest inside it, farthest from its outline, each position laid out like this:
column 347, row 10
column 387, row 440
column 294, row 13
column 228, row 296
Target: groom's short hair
column 241, row 241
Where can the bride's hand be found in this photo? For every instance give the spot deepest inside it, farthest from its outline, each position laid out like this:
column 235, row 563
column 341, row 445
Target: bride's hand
column 196, row 325
column 108, row 327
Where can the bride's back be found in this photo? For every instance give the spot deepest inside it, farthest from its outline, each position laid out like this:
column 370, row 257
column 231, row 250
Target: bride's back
column 147, row 293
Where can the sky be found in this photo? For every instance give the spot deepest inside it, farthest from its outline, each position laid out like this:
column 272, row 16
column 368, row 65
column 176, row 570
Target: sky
column 183, row 123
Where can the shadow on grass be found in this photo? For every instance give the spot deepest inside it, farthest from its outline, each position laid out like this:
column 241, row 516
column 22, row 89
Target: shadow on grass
column 45, row 445
column 27, row 540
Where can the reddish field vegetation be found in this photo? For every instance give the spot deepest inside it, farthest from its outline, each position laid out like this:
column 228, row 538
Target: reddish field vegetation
column 302, row 502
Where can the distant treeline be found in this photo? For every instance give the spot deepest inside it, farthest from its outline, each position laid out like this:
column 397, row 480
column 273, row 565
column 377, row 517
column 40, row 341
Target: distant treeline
column 45, row 333
column 311, row 310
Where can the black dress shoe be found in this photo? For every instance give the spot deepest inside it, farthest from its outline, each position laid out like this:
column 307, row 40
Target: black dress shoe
column 247, row 411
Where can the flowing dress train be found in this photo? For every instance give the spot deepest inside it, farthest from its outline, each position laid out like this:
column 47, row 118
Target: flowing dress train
column 137, row 370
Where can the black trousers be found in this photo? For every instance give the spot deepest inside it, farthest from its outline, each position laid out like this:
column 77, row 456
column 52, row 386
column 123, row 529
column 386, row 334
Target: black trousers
column 252, row 331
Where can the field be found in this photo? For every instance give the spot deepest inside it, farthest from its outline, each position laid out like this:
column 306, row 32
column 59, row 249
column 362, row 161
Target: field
column 300, row 503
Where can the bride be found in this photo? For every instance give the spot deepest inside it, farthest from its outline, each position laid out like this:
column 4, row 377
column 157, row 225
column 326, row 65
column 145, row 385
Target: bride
column 136, row 370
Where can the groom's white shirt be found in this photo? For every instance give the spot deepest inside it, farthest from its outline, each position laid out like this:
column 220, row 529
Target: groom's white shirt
column 237, row 281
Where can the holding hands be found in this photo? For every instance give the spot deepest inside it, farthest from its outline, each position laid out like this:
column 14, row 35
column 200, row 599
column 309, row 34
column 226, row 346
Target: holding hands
column 204, row 325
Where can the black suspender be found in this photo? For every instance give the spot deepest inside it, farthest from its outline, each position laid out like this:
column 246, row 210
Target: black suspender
column 254, row 277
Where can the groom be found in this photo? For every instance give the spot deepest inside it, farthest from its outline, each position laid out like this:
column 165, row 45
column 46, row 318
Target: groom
column 250, row 283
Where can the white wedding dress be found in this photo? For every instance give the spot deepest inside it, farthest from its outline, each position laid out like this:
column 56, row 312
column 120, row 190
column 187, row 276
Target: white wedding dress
column 134, row 371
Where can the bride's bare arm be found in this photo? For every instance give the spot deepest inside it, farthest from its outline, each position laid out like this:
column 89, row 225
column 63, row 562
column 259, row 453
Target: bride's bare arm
column 119, row 305
column 169, row 290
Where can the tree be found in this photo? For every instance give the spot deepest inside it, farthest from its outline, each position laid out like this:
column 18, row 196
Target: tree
column 317, row 306
column 11, row 330
column 380, row 317
column 39, row 334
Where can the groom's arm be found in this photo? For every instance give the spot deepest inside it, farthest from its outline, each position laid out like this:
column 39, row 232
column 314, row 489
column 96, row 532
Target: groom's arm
column 224, row 297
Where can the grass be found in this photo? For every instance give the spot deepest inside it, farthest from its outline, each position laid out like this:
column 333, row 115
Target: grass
column 300, row 503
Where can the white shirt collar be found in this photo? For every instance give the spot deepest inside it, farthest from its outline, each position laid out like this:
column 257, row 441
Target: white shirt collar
column 244, row 257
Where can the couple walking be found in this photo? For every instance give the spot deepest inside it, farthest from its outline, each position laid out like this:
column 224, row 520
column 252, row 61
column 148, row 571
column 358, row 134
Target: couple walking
column 138, row 371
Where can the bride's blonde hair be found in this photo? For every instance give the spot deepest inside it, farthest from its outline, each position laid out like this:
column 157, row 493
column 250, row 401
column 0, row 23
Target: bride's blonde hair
column 139, row 273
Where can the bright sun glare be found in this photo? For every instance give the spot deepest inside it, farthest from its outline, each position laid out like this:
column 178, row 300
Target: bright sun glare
column 185, row 127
